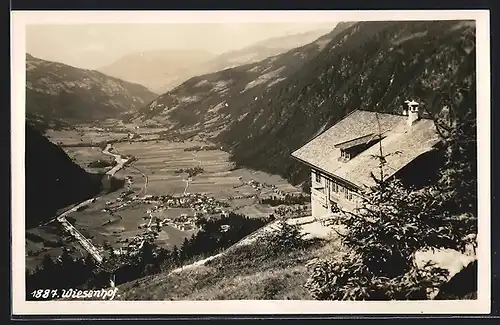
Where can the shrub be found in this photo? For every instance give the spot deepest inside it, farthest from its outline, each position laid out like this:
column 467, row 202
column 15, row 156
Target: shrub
column 285, row 239
column 395, row 222
column 349, row 278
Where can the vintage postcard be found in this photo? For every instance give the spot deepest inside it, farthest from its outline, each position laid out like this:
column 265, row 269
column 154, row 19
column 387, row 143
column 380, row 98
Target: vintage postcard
column 231, row 162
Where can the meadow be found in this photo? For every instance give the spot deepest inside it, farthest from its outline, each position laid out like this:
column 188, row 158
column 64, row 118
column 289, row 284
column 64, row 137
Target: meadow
column 156, row 172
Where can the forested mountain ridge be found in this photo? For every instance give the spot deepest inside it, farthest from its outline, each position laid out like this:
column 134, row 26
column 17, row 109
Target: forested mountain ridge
column 210, row 102
column 371, row 65
column 59, row 92
column 50, row 177
column 363, row 65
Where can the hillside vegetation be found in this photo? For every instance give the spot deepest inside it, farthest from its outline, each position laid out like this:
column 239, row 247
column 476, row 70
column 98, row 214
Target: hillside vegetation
column 57, row 93
column 50, row 178
column 211, row 102
column 264, row 111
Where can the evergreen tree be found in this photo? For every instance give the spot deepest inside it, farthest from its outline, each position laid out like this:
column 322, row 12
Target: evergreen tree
column 394, row 223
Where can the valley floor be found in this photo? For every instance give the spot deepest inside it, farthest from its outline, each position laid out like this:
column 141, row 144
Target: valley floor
column 116, row 218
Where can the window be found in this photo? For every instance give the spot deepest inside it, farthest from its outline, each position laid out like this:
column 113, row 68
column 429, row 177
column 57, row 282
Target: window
column 335, row 187
column 318, row 177
column 348, row 194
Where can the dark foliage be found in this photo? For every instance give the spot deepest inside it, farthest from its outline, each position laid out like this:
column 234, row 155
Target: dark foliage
column 150, row 259
column 288, row 199
column 462, row 285
column 50, row 179
column 395, row 222
column 364, row 65
column 192, row 172
column 101, row 163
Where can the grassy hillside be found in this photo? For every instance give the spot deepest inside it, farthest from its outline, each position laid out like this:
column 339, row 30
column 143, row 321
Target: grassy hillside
column 263, row 111
column 50, row 179
column 257, row 269
column 59, row 92
column 267, row 268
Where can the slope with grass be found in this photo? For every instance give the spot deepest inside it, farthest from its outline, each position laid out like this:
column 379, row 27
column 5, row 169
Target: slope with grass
column 58, row 93
column 209, row 103
column 272, row 264
column 261, row 112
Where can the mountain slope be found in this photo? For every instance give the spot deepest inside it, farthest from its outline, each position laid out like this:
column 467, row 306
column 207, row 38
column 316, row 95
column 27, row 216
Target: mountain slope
column 162, row 70
column 50, row 179
column 211, row 102
column 371, row 65
column 364, row 65
column 260, row 51
column 158, row 70
column 55, row 91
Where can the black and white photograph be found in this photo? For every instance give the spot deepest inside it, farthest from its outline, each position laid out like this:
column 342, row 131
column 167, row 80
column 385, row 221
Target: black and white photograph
column 250, row 162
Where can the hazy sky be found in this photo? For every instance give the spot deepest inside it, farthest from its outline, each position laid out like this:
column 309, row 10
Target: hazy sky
column 94, row 45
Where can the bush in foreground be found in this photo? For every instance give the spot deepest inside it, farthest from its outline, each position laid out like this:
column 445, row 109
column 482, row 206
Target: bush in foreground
column 395, row 222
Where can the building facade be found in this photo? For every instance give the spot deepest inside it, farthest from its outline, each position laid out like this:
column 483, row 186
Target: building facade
column 344, row 158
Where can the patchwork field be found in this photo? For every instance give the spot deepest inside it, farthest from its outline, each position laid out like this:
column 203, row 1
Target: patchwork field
column 160, row 161
column 82, row 135
column 114, row 218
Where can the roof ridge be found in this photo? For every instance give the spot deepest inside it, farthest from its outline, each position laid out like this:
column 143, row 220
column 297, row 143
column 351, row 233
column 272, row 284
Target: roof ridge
column 357, row 138
column 326, row 129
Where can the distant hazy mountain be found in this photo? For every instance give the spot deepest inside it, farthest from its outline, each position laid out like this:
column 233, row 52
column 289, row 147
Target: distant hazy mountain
column 210, row 103
column 59, row 92
column 261, row 50
column 263, row 111
column 162, row 70
column 159, row 69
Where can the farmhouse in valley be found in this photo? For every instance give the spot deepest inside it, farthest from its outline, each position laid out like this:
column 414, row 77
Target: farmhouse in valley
column 343, row 157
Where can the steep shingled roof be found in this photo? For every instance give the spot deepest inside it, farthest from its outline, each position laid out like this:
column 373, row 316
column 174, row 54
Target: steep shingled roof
column 402, row 143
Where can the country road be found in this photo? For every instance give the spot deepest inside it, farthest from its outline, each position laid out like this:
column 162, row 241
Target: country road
column 187, row 185
column 86, row 243
column 146, row 181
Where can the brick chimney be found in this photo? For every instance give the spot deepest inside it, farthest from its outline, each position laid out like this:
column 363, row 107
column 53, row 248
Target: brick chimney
column 413, row 114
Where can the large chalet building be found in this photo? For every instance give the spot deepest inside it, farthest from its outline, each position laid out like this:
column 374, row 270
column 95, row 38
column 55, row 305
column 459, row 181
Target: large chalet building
column 343, row 157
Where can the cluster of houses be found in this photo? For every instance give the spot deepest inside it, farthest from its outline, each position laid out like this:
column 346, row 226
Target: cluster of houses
column 258, row 186
column 202, row 148
column 199, row 202
column 184, row 222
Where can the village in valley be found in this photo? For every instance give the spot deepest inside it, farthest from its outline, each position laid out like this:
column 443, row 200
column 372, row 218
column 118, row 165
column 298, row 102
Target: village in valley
column 166, row 219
